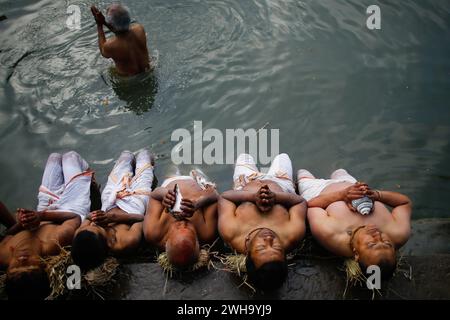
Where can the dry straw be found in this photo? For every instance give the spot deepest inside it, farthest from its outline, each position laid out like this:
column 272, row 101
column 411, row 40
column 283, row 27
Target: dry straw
column 91, row 281
column 204, row 261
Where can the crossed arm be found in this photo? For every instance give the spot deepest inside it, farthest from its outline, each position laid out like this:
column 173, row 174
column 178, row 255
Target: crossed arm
column 229, row 226
column 162, row 198
column 401, row 204
column 265, row 199
column 129, row 239
column 322, row 224
column 30, row 219
column 114, row 215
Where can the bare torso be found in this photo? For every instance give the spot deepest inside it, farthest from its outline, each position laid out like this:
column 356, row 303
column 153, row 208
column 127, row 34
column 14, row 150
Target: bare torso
column 342, row 221
column 129, row 51
column 249, row 218
column 44, row 239
column 190, row 190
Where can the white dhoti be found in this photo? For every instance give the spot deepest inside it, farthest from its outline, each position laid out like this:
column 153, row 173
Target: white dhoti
column 130, row 183
column 279, row 172
column 66, row 184
column 309, row 187
column 195, row 175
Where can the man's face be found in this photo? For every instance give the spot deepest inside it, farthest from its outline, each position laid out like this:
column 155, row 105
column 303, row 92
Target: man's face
column 371, row 245
column 264, row 247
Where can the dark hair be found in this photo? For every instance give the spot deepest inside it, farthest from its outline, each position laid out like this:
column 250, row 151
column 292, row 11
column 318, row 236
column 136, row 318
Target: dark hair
column 387, row 268
column 89, row 250
column 95, row 195
column 27, row 285
column 269, row 276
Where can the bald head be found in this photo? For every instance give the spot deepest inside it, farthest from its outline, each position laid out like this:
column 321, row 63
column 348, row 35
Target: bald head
column 182, row 247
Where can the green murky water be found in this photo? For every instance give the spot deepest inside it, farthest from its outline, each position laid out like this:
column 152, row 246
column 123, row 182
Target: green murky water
column 373, row 102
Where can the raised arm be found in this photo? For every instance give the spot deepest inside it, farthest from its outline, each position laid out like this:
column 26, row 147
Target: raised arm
column 100, row 21
column 30, row 219
column 128, row 240
column 289, row 200
column 66, row 231
column 326, row 230
column 228, row 226
column 207, row 198
column 61, row 236
column 115, row 215
column 401, row 212
column 297, row 222
column 207, row 229
column 355, row 191
column 324, row 200
column 238, row 197
column 153, row 222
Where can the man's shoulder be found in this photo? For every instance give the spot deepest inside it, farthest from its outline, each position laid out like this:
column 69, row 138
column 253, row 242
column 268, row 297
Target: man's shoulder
column 137, row 28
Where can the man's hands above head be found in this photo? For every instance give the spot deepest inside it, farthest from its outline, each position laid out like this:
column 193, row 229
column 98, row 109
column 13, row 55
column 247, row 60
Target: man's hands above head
column 265, row 199
column 98, row 16
column 100, row 218
column 169, row 199
column 188, row 207
column 357, row 191
column 28, row 219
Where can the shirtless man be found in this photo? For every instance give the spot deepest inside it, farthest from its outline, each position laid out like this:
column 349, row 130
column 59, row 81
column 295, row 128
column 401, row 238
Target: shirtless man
column 263, row 218
column 117, row 227
column 128, row 48
column 371, row 239
column 64, row 199
column 182, row 234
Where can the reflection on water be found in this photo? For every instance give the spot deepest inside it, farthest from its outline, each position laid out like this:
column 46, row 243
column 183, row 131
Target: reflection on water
column 138, row 92
column 373, row 102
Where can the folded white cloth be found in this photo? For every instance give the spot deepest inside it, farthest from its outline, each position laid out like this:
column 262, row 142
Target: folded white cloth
column 66, row 184
column 129, row 188
column 279, row 172
column 309, row 187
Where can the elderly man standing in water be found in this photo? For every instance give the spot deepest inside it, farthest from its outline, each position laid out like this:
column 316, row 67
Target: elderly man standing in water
column 128, row 48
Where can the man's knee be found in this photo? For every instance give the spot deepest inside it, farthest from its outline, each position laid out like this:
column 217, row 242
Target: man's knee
column 245, row 158
column 283, row 157
column 54, row 157
column 126, row 156
column 144, row 156
column 339, row 173
column 71, row 156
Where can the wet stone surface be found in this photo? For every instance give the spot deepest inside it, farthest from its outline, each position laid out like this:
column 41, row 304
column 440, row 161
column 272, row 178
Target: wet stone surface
column 424, row 273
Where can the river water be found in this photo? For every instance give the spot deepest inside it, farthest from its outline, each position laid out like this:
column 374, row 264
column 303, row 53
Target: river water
column 372, row 101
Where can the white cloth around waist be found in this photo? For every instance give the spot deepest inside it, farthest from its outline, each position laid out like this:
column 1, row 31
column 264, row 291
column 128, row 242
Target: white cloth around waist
column 73, row 197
